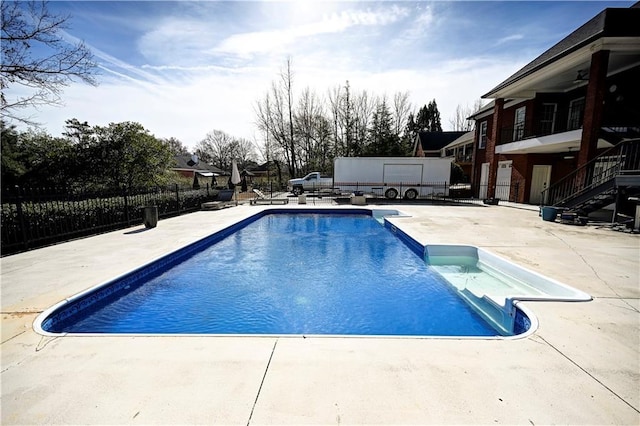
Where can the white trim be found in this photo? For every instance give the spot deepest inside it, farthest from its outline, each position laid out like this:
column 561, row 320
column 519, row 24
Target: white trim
column 558, row 142
column 515, row 102
column 553, row 118
column 581, row 118
column 519, row 122
column 484, row 125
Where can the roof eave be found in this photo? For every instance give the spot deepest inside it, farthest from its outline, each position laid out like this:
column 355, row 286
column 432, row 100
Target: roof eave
column 494, row 93
column 609, row 25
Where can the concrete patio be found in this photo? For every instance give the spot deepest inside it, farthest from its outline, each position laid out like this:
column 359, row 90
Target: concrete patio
column 581, row 366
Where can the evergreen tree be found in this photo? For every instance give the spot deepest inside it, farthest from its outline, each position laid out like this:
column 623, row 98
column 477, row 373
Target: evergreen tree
column 382, row 139
column 12, row 156
column 435, row 124
column 126, row 154
column 411, row 127
column 79, row 133
column 428, row 119
column 35, row 158
column 423, row 120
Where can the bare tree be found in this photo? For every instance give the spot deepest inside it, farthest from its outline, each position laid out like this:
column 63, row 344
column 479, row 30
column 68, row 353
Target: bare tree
column 37, row 58
column 287, row 84
column 313, row 133
column 304, row 123
column 262, row 110
column 342, row 111
column 220, row 149
column 460, row 121
column 363, row 108
column 274, row 116
column 216, row 148
column 346, row 116
column 243, row 151
column 271, row 155
column 334, row 96
column 401, row 109
column 324, row 144
column 271, row 119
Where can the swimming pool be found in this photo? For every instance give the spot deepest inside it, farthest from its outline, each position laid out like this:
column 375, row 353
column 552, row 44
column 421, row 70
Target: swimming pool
column 340, row 274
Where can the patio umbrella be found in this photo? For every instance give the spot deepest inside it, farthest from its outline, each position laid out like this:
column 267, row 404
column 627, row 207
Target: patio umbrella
column 235, row 178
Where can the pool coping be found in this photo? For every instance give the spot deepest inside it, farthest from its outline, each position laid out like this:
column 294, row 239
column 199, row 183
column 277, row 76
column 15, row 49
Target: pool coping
column 509, row 306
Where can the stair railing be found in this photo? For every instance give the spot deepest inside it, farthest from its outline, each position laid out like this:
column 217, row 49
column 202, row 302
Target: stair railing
column 623, row 158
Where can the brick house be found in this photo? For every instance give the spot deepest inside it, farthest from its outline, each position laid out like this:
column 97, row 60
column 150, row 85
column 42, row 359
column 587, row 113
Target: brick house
column 430, row 144
column 187, row 168
column 461, row 150
column 542, row 137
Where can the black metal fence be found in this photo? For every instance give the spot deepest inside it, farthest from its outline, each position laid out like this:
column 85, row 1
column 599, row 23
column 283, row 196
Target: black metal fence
column 408, row 191
column 33, row 218
column 36, row 217
column 380, row 193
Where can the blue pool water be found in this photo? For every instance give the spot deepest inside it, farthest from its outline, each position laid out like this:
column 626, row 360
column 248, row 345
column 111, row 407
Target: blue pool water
column 322, row 274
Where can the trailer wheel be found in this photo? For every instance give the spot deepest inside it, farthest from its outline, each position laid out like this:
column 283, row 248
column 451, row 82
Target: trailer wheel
column 391, row 194
column 297, row 190
column 411, row 194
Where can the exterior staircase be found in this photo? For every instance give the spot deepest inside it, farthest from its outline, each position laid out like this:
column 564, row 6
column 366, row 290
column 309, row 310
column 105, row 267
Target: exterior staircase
column 611, row 177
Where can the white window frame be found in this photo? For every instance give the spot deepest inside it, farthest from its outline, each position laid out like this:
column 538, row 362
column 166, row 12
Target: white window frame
column 553, row 118
column 482, row 135
column 518, row 125
column 572, row 109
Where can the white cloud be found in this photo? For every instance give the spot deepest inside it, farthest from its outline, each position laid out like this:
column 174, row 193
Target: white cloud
column 278, row 40
column 187, row 110
column 183, row 40
column 204, row 71
column 421, row 24
column 507, row 39
column 190, row 108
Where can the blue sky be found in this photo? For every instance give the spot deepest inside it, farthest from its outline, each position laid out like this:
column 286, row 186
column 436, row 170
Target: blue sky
column 182, row 69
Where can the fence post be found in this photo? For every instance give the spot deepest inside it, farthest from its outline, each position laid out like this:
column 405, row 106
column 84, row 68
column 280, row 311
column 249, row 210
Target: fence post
column 20, row 211
column 177, row 199
column 126, row 205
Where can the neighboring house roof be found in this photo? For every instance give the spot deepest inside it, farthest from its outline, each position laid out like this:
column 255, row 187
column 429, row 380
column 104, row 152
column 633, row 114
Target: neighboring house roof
column 435, row 141
column 462, row 140
column 264, row 167
column 182, row 163
column 613, row 22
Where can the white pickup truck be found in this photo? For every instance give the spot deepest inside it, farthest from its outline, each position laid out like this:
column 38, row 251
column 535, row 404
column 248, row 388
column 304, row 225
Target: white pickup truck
column 314, row 181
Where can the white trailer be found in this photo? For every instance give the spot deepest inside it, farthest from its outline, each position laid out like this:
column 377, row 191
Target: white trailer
column 409, row 177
